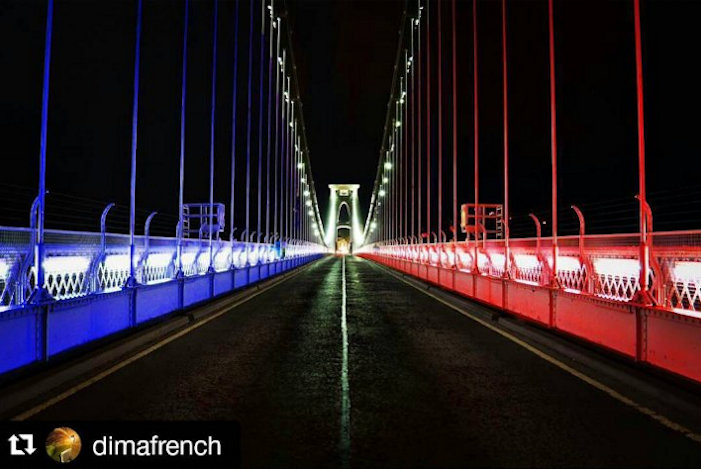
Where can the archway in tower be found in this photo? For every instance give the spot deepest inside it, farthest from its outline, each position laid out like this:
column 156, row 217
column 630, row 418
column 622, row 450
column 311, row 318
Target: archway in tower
column 344, row 243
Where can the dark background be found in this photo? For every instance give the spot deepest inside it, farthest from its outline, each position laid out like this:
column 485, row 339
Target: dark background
column 345, row 52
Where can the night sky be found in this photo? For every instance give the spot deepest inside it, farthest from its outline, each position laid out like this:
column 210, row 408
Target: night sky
column 345, row 52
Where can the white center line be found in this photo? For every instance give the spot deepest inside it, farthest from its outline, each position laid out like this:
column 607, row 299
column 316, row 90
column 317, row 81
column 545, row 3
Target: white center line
column 345, row 387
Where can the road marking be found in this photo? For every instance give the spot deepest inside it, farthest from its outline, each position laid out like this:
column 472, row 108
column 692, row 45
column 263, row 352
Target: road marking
column 100, row 376
column 576, row 373
column 345, row 386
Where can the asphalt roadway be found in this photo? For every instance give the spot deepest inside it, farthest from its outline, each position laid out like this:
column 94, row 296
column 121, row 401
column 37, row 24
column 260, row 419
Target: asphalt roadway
column 420, row 386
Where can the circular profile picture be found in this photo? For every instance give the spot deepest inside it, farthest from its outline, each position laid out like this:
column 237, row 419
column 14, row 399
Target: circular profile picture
column 63, row 444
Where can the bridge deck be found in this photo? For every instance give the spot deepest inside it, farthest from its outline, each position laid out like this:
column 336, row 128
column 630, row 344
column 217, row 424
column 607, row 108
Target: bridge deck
column 427, row 386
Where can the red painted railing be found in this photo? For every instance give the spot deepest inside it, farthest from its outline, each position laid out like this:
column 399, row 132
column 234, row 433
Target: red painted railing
column 598, row 280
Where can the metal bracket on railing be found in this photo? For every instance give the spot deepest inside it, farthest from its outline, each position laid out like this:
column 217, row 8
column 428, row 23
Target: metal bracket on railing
column 147, row 232
column 644, row 295
column 580, row 216
column 583, row 259
column 178, row 255
column 23, row 273
column 147, row 243
column 95, row 267
column 103, row 226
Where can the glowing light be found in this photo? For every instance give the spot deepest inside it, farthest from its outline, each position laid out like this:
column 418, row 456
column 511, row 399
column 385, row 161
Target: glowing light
column 465, row 258
column 433, row 257
column 117, row 262
column 300, row 165
column 686, row 271
column 568, row 263
column 64, row 264
column 311, row 213
column 306, row 193
column 308, row 203
column 388, row 165
column 188, row 258
column 159, row 259
column 253, row 257
column 497, row 260
column 398, row 124
column 617, row 267
column 482, row 261
column 526, row 261
column 385, row 179
column 4, row 269
column 382, row 193
column 221, row 260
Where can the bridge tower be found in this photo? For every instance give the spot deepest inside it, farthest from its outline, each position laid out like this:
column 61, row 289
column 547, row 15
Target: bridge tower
column 343, row 230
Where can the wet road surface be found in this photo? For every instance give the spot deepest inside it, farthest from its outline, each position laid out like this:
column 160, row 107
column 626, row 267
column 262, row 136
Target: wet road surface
column 424, row 386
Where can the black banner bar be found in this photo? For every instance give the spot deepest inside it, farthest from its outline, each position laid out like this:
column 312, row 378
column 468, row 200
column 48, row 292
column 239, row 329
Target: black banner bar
column 132, row 445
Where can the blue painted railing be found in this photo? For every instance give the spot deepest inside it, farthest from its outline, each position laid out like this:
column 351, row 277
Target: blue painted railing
column 86, row 274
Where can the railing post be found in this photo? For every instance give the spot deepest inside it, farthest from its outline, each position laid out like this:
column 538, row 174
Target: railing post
column 131, row 281
column 40, row 294
column 210, row 268
column 554, row 282
column 505, row 93
column 183, row 94
column 644, row 296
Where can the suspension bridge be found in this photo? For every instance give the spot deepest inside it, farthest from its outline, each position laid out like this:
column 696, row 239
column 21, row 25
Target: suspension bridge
column 425, row 336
